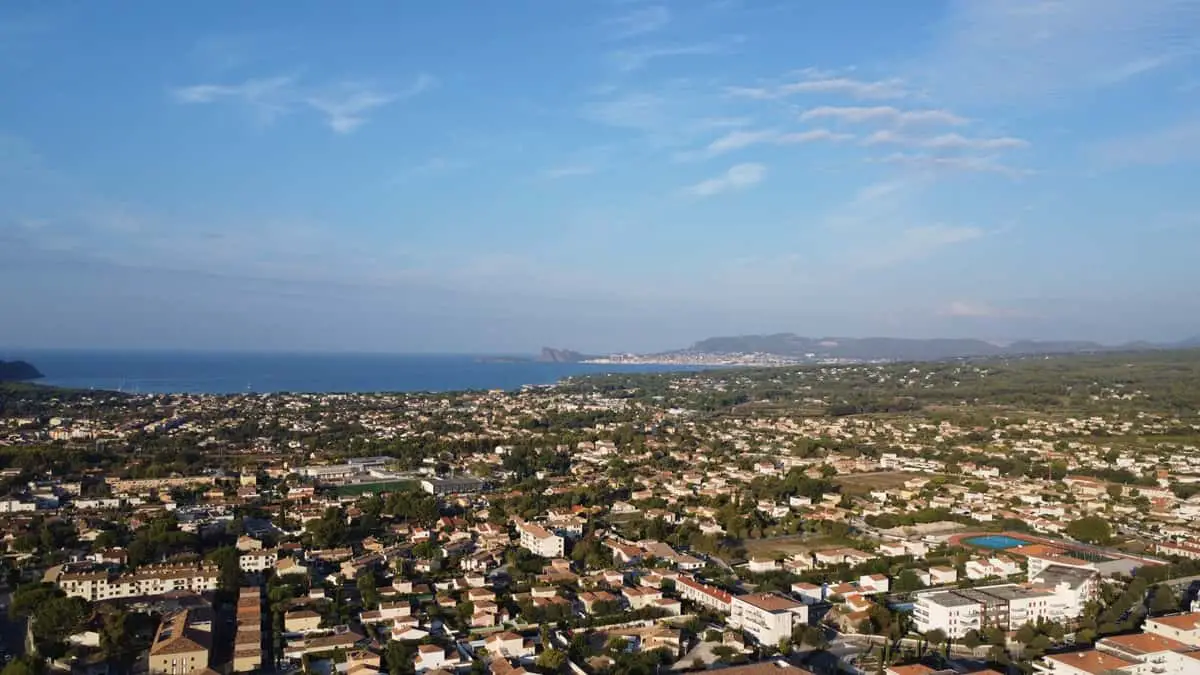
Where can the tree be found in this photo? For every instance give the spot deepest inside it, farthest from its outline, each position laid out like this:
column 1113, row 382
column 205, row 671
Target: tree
column 228, row 559
column 1026, row 633
column 1163, row 600
column 972, row 639
column 115, row 639
column 814, row 636
column 1090, row 529
column 552, row 660
column 907, row 582
column 19, row 667
column 937, row 636
column 56, row 620
column 368, row 589
column 723, row 653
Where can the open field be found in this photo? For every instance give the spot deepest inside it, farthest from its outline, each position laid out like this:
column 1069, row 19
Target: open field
column 861, row 483
column 791, row 545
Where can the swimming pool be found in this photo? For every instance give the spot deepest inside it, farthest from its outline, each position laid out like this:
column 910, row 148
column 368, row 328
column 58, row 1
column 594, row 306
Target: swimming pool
column 996, row 541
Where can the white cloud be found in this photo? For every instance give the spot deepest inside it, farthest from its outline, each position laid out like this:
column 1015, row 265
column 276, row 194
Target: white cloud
column 738, row 177
column 639, row 57
column 945, row 141
column 953, row 164
column 1016, row 51
column 740, row 139
column 819, row 82
column 882, row 114
column 344, row 105
column 975, row 310
column 569, row 171
column 639, row 21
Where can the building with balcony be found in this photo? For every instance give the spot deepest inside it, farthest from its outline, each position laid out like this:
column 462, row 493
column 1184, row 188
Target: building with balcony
column 769, row 617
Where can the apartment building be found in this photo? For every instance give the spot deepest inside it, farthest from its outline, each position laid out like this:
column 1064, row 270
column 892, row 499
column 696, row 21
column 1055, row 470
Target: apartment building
column 248, row 638
column 1006, row 606
column 536, row 540
column 182, row 643
column 136, row 485
column 1182, row 627
column 1139, row 654
column 703, row 594
column 769, row 617
column 145, row 581
column 258, row 561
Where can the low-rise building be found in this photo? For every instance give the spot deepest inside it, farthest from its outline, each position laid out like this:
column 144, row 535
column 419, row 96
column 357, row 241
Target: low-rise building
column 182, row 643
column 769, row 617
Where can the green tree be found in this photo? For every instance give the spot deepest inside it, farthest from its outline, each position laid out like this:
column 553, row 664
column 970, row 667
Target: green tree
column 552, row 660
column 19, row 667
column 972, row 639
column 1163, row 599
column 56, row 620
column 368, row 589
column 1090, row 529
column 724, row 653
column 907, row 582
column 228, row 559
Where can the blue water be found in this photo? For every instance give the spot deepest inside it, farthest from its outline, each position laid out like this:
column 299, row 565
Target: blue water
column 225, row 373
column 996, row 541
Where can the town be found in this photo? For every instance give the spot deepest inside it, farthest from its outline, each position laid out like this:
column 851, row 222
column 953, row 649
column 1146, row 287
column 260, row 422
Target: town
column 1036, row 514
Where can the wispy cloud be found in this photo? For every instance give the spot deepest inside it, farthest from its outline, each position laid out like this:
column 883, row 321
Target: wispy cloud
column 976, row 310
column 1021, row 51
column 882, row 114
column 740, row 139
column 637, row 58
column 915, row 243
column 569, row 171
column 344, row 105
column 926, row 162
column 820, row 82
column 945, row 141
column 434, row 166
column 638, row 22
column 737, row 177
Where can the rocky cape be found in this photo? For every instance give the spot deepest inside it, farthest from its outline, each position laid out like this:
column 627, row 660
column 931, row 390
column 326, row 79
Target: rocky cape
column 18, row 371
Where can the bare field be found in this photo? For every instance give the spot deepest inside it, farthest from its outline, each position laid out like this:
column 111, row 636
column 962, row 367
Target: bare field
column 861, row 483
column 788, row 546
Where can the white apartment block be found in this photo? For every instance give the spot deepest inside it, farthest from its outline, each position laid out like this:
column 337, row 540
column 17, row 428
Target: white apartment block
column 258, row 561
column 703, row 594
column 536, row 540
column 145, row 581
column 1006, row 606
column 769, row 617
column 1182, row 627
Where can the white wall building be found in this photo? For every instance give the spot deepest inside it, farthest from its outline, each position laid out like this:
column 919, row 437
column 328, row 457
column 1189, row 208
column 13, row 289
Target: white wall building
column 536, row 540
column 769, row 617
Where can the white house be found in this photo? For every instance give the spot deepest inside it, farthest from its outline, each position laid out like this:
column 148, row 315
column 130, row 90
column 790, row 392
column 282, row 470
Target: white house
column 769, row 617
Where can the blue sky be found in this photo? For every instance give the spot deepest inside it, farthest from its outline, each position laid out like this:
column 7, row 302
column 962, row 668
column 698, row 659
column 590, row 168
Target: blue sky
column 603, row 175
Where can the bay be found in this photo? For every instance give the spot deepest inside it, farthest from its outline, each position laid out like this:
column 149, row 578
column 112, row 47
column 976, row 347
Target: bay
column 242, row 372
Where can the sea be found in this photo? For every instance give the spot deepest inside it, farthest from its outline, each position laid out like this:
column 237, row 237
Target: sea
column 165, row 372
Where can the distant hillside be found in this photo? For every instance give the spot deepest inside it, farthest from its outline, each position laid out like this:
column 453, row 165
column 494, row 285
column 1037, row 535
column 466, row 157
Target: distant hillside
column 15, row 371
column 901, row 349
column 551, row 355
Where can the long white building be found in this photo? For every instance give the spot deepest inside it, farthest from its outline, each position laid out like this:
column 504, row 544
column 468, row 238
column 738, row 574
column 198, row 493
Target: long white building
column 1053, row 593
column 145, row 581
